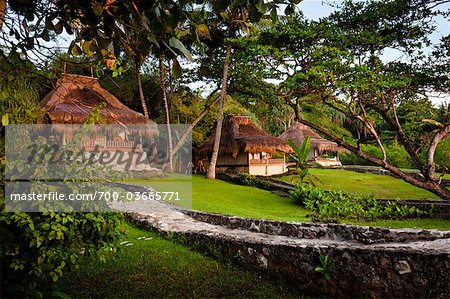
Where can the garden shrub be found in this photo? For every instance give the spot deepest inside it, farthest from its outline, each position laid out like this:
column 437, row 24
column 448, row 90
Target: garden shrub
column 333, row 205
column 38, row 248
column 253, row 181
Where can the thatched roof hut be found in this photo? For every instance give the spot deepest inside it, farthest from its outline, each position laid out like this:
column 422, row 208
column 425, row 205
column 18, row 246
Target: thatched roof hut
column 75, row 96
column 297, row 133
column 239, row 133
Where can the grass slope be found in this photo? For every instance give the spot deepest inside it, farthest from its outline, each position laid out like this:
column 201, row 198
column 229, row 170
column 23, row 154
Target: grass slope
column 223, row 197
column 381, row 186
column 164, row 269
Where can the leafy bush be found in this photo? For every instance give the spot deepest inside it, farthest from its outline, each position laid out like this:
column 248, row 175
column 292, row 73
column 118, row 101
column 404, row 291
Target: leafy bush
column 332, row 205
column 253, row 181
column 36, row 249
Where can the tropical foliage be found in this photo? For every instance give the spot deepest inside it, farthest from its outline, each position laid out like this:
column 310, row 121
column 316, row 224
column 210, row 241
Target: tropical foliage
column 330, row 206
column 330, row 74
column 336, row 62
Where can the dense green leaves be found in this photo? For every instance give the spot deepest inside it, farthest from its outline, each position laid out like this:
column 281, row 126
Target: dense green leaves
column 333, row 206
column 38, row 248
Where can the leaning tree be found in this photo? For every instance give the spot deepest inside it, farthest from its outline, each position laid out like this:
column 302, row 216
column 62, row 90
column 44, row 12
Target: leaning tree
column 340, row 60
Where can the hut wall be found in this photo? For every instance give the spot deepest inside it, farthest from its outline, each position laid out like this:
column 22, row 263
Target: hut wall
column 267, row 170
column 327, row 162
column 228, row 160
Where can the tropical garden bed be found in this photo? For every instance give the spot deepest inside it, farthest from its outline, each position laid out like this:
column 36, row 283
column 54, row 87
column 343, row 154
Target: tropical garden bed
column 227, row 198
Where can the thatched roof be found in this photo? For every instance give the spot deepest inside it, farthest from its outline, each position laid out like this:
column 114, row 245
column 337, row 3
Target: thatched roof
column 297, row 133
column 75, row 96
column 240, row 133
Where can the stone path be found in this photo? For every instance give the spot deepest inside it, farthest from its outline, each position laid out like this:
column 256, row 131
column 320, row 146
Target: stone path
column 398, row 263
column 169, row 219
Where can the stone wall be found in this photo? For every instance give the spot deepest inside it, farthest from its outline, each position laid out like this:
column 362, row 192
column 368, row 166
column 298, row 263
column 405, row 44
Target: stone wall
column 329, row 231
column 357, row 272
column 366, row 262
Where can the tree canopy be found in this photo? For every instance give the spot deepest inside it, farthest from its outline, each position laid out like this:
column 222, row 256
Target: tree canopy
column 339, row 60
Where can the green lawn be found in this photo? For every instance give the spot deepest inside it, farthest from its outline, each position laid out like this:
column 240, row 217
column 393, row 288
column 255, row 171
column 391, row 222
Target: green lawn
column 227, row 198
column 156, row 267
column 381, row 186
column 163, row 269
column 223, row 197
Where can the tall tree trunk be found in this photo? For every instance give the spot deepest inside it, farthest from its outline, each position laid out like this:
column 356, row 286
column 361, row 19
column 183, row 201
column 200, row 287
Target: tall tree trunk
column 162, row 76
column 2, row 12
column 171, row 89
column 141, row 92
column 211, row 173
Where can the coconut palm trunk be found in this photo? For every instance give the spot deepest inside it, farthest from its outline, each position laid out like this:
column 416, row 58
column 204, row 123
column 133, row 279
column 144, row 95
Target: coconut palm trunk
column 162, row 75
column 141, row 91
column 211, row 173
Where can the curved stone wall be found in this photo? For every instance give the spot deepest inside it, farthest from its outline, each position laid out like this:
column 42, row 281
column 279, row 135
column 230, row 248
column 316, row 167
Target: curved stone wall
column 309, row 230
column 364, row 262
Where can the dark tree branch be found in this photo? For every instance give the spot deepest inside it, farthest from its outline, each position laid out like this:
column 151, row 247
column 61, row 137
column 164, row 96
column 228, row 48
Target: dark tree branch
column 429, row 185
